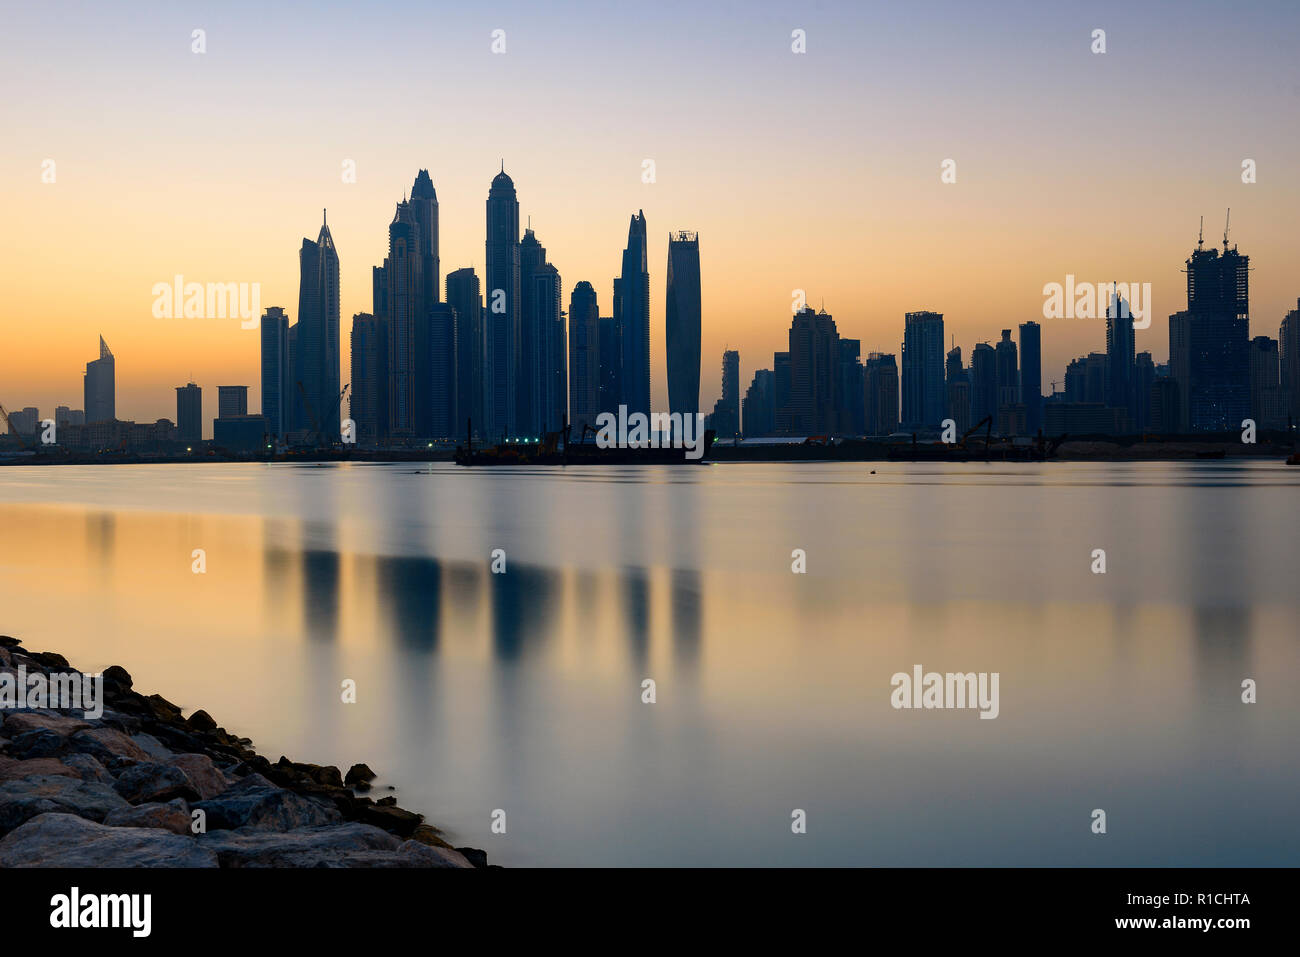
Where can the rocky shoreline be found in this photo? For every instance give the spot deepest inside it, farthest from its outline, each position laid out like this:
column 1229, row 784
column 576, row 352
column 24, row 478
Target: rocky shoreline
column 141, row 785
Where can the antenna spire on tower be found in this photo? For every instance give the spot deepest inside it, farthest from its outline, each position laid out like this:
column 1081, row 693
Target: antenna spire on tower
column 1225, row 229
column 1200, row 239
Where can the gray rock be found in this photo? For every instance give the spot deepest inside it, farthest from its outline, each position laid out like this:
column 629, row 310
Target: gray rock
column 29, row 797
column 63, row 840
column 39, row 743
column 105, row 744
column 174, row 816
column 343, row 846
column 151, row 746
column 87, row 768
column 256, row 802
column 19, row 721
column 206, row 778
column 11, row 770
column 148, row 782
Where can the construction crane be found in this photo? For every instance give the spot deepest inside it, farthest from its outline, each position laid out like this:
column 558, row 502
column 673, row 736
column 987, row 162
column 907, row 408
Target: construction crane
column 315, row 434
column 22, row 440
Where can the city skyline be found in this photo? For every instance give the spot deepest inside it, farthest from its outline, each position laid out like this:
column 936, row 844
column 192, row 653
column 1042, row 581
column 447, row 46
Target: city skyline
column 867, row 225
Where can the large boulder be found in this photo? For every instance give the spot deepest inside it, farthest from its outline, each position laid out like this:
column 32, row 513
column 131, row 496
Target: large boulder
column 105, row 744
column 147, row 782
column 205, row 776
column 24, row 799
column 19, row 721
column 256, row 802
column 63, row 840
column 174, row 816
column 303, row 847
column 11, row 770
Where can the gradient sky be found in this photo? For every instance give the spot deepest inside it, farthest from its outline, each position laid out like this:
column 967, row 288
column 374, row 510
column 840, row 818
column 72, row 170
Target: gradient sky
column 817, row 171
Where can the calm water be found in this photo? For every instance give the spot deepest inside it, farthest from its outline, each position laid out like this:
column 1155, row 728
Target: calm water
column 522, row 691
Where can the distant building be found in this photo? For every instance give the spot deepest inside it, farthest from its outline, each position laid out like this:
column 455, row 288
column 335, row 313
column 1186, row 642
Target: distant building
column 1165, row 406
column 369, row 390
column 632, row 316
column 464, row 296
column 316, row 354
column 25, row 423
column 1266, row 406
column 1031, row 375
column 611, row 365
column 1144, row 376
column 189, row 413
column 65, row 416
column 1289, row 360
column 100, row 387
column 814, row 405
column 853, row 401
column 958, row 385
column 780, row 386
column 501, row 291
column 1120, row 388
column 983, row 383
column 682, row 323
column 277, row 384
column 880, row 377
column 1084, row 418
column 725, row 419
column 584, row 358
column 232, row 400
column 923, row 384
column 241, row 433
column 758, row 411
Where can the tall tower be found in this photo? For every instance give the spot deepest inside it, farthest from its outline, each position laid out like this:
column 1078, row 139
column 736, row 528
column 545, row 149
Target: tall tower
column 100, row 387
column 317, row 345
column 464, row 297
column 275, row 370
column 424, row 209
column 923, row 385
column 584, row 356
column 632, row 313
column 682, row 322
column 404, row 299
column 1216, row 365
column 501, row 353
column 1031, row 375
column 529, row 376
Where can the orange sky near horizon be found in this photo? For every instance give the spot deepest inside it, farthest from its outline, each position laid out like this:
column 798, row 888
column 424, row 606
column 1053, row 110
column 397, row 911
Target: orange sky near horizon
column 818, row 172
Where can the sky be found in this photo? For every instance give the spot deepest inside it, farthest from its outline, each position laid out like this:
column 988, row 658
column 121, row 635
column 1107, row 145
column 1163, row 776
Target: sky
column 816, row 171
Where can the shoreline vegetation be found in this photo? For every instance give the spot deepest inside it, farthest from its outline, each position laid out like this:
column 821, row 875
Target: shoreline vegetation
column 1096, row 448
column 141, row 785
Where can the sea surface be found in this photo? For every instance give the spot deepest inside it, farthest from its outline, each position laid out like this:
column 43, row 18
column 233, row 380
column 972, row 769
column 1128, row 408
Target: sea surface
column 522, row 692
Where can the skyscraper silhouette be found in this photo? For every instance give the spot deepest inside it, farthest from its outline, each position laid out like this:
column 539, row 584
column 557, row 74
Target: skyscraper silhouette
column 464, row 296
column 682, row 322
column 369, row 395
column 407, row 327
column 1031, row 375
column 189, row 413
column 501, row 312
column 100, row 387
column 923, row 385
column 584, row 357
column 632, row 316
column 276, row 383
column 317, row 346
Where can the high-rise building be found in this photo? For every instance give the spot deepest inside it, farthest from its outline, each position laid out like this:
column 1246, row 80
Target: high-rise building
column 814, row 404
column 438, row 398
column 407, row 329
column 853, row 411
column 923, row 385
column 611, row 364
column 1216, row 361
column 501, row 314
column 1266, row 406
column 317, row 348
column 1008, row 370
column 1289, row 358
column 880, row 375
column 758, row 414
column 424, row 209
column 276, row 366
column 549, row 377
column 632, row 315
column 959, row 409
column 1120, row 390
column 725, row 420
column 369, row 391
column 66, row 416
column 780, row 386
column 584, row 357
column 100, row 387
column 232, row 400
column 1144, row 376
column 464, row 297
column 983, row 383
column 1031, row 375
column 682, row 322
column 189, row 413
